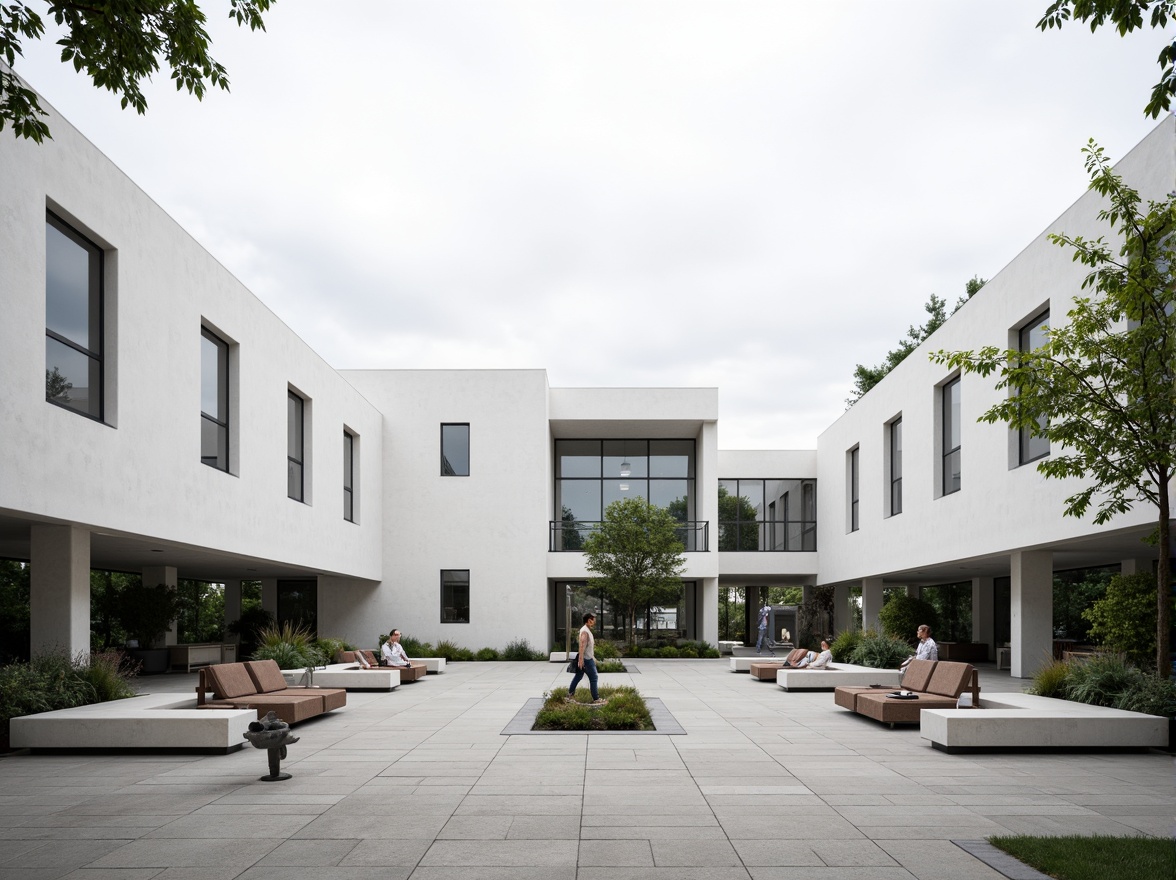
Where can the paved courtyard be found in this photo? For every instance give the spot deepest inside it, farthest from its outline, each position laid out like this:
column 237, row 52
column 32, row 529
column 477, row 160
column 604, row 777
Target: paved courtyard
column 420, row 784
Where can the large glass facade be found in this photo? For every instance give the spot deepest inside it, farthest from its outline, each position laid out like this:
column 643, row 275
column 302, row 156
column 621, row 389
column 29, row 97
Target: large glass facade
column 592, row 474
column 1033, row 335
column 767, row 514
column 672, row 620
column 73, row 319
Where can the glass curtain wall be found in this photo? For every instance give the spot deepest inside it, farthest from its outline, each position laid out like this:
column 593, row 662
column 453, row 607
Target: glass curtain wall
column 592, row 474
column 668, row 621
column 764, row 514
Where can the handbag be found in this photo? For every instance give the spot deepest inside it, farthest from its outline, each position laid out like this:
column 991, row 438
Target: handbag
column 572, row 668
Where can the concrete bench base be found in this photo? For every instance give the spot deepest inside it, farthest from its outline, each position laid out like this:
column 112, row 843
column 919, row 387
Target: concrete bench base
column 726, row 647
column 1026, row 721
column 743, row 664
column 839, row 675
column 348, row 676
column 435, row 665
column 165, row 722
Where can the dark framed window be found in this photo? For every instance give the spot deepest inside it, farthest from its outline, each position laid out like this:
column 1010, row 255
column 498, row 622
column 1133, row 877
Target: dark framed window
column 295, row 446
column 455, row 450
column 951, row 436
column 455, row 595
column 73, row 319
column 896, row 467
column 1033, row 335
column 348, row 476
column 214, row 400
column 748, row 511
column 854, row 489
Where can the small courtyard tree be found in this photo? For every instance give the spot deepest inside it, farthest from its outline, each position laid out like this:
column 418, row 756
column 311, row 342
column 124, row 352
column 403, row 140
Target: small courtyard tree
column 1102, row 387
column 638, row 555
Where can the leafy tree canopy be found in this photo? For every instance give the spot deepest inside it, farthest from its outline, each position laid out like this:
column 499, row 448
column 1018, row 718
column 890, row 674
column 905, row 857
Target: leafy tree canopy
column 637, row 553
column 865, row 378
column 1124, row 620
column 1100, row 387
column 1126, row 16
column 118, row 43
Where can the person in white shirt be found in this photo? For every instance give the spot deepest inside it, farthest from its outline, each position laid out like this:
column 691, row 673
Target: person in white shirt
column 392, row 652
column 820, row 662
column 927, row 649
column 586, row 661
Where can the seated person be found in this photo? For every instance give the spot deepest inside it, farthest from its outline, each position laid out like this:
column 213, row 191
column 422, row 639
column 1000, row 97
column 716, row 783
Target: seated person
column 808, row 658
column 392, row 653
column 817, row 661
column 927, row 649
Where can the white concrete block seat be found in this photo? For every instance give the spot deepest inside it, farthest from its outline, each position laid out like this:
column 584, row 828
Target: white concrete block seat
column 416, row 669
column 837, row 676
column 157, row 722
column 348, row 676
column 1024, row 722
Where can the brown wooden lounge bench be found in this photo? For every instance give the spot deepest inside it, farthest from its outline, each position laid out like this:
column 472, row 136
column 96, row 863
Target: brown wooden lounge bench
column 767, row 670
column 415, row 670
column 935, row 685
column 260, row 685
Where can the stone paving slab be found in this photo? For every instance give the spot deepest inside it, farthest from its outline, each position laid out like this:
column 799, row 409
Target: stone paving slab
column 420, row 784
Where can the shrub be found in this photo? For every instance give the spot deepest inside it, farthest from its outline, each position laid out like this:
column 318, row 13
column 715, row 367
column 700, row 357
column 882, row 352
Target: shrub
column 689, row 653
column 625, row 710
column 110, row 674
column 331, row 648
column 902, row 615
column 1100, row 680
column 706, row 649
column 520, row 649
column 610, row 666
column 606, row 650
column 880, row 651
column 412, row 647
column 1151, row 695
column 284, row 654
column 1124, row 620
column 668, row 651
column 1050, row 680
column 843, row 646
column 486, row 654
column 290, row 645
column 464, row 654
column 636, row 653
column 447, row 649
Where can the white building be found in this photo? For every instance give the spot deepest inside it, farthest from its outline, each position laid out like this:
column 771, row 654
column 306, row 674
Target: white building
column 184, row 431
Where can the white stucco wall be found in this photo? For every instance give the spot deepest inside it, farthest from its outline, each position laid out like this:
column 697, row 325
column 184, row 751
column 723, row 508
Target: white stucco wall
column 999, row 507
column 140, row 473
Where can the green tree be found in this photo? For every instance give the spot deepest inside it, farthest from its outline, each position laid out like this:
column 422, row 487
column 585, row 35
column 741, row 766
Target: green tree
column 738, row 525
column 865, row 378
column 14, row 610
column 1126, row 16
column 1100, row 387
column 118, row 43
column 1124, row 620
column 637, row 553
column 901, row 615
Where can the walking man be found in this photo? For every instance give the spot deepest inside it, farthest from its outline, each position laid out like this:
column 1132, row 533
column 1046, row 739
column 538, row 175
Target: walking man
column 763, row 641
column 586, row 661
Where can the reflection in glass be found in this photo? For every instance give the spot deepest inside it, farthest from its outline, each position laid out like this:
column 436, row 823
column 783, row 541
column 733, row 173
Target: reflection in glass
column 72, row 286
column 1034, row 335
column 671, row 458
column 577, row 458
column 951, row 437
column 348, row 477
column 455, row 596
column 455, row 450
column 294, row 432
column 632, row 452
column 69, row 377
column 214, row 444
column 612, row 490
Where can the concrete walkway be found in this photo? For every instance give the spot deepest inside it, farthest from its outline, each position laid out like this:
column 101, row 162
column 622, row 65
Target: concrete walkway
column 420, row 784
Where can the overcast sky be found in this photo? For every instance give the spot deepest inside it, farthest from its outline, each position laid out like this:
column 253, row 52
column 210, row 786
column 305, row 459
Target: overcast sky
column 753, row 196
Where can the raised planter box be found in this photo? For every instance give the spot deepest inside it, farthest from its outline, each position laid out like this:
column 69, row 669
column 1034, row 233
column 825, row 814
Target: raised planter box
column 1025, row 721
column 168, row 722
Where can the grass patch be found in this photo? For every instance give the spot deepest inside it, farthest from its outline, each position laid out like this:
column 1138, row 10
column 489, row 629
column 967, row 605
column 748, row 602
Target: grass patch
column 1093, row 858
column 603, row 666
column 625, row 710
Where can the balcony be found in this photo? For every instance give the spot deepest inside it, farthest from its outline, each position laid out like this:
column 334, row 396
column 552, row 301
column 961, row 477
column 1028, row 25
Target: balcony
column 768, row 536
column 569, row 537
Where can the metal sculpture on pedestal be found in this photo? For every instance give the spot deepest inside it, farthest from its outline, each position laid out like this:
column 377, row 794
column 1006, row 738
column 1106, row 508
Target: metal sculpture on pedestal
column 273, row 735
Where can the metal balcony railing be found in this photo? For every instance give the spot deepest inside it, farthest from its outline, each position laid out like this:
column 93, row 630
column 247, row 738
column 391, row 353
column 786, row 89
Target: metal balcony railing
column 569, row 537
column 773, row 536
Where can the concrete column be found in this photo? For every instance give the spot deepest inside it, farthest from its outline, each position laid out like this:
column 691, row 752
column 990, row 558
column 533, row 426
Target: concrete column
column 983, row 629
column 269, row 595
column 914, row 592
column 154, row 575
column 1136, row 566
column 59, row 590
column 871, row 603
column 232, row 604
column 1031, row 601
column 842, row 616
column 707, row 625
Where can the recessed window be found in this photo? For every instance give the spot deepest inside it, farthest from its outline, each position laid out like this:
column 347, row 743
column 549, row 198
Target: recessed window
column 951, row 436
column 896, row 467
column 214, row 400
column 455, row 450
column 73, row 319
column 455, row 595
column 348, row 476
column 1033, row 335
column 296, row 446
column 854, row 489
column 759, row 514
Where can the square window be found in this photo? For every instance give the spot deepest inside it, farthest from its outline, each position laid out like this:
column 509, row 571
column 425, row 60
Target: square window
column 455, row 595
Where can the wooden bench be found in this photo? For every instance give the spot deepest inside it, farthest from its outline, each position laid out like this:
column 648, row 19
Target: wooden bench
column 260, row 685
column 933, row 685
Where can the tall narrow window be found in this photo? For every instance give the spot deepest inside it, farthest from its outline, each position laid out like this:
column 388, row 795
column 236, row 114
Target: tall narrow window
column 1033, row 335
column 295, row 446
column 896, row 467
column 951, row 437
column 348, row 477
column 455, row 450
column 854, row 481
column 73, row 319
column 214, row 400
column 455, row 596
column 808, row 510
